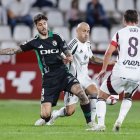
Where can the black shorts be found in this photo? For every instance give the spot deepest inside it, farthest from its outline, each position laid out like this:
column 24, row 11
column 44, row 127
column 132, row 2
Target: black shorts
column 54, row 82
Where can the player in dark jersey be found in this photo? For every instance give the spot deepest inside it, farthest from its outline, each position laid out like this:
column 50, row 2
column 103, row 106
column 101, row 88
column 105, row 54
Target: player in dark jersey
column 55, row 75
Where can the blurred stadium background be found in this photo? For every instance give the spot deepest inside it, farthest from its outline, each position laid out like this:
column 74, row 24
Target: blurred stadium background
column 20, row 77
column 19, row 74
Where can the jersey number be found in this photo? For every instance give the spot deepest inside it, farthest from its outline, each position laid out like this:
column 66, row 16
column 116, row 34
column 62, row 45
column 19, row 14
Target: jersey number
column 132, row 50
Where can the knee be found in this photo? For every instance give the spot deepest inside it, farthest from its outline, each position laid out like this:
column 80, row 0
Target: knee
column 70, row 112
column 45, row 114
column 128, row 96
column 103, row 95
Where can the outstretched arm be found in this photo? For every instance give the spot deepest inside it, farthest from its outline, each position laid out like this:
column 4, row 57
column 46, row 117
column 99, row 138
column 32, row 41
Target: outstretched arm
column 99, row 61
column 10, row 51
column 106, row 60
column 96, row 60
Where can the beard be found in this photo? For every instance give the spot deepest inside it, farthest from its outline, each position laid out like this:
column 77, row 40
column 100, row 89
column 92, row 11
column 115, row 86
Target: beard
column 43, row 32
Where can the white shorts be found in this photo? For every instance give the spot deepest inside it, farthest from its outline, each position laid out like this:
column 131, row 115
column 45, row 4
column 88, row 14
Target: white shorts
column 70, row 99
column 85, row 81
column 116, row 85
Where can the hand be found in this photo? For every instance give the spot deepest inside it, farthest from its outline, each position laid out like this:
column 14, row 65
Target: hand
column 69, row 58
column 101, row 74
column 65, row 61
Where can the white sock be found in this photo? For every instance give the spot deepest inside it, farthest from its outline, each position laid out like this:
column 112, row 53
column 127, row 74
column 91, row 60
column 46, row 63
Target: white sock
column 101, row 111
column 61, row 112
column 93, row 109
column 125, row 107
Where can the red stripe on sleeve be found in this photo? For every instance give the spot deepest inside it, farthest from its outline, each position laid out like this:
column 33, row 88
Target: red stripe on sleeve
column 114, row 43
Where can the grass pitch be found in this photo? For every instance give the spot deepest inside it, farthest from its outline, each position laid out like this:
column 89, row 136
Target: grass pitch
column 17, row 123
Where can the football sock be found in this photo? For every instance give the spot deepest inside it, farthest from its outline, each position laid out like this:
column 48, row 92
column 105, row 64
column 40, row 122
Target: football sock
column 101, row 111
column 61, row 112
column 87, row 112
column 125, row 107
column 46, row 118
column 93, row 101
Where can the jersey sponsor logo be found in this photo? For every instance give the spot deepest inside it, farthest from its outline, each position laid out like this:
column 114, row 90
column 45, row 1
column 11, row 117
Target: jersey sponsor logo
column 54, row 43
column 132, row 63
column 49, row 51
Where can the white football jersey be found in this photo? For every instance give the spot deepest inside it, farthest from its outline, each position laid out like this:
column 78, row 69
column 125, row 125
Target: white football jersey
column 81, row 54
column 127, row 41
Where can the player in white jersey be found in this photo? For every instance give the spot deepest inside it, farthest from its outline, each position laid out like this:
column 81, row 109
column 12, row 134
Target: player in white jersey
column 125, row 74
column 81, row 50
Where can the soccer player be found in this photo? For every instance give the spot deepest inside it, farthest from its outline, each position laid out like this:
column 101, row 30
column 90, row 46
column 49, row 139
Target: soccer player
column 125, row 74
column 80, row 47
column 55, row 75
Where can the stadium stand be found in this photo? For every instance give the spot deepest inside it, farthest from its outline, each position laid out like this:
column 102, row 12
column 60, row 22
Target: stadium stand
column 21, row 33
column 55, row 18
column 6, row 33
column 109, row 5
column 99, row 35
column 123, row 5
column 83, row 5
column 64, row 32
column 64, row 5
column 102, row 46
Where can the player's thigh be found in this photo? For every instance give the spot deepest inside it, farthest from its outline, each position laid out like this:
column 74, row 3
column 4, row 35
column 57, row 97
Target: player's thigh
column 71, row 84
column 89, row 86
column 112, row 85
column 70, row 109
column 50, row 95
column 130, row 87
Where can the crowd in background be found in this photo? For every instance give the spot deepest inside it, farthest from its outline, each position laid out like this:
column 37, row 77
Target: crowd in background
column 94, row 12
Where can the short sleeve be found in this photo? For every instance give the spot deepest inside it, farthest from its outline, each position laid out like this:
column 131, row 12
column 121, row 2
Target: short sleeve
column 115, row 40
column 72, row 45
column 27, row 46
column 62, row 43
column 90, row 52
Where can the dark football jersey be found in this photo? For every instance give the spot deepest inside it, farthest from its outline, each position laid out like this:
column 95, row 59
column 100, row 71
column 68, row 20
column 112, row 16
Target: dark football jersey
column 48, row 51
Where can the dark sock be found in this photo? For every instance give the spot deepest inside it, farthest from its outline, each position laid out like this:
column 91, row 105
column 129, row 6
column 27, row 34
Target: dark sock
column 87, row 112
column 46, row 119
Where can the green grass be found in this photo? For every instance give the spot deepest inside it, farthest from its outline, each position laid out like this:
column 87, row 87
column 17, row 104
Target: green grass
column 17, row 123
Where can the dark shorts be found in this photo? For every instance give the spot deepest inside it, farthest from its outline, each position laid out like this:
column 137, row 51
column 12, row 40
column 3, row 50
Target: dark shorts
column 54, row 82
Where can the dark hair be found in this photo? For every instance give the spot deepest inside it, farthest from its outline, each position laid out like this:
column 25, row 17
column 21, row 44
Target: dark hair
column 39, row 17
column 131, row 16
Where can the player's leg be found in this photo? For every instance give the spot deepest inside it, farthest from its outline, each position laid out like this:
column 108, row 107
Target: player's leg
column 49, row 98
column 126, row 104
column 68, row 109
column 92, row 91
column 77, row 90
column 45, row 114
column 72, row 85
column 106, row 89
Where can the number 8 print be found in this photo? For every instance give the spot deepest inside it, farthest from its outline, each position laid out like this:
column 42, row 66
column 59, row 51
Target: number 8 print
column 133, row 42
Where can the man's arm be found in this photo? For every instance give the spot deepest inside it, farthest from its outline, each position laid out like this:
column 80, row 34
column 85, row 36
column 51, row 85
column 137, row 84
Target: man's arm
column 96, row 60
column 99, row 61
column 68, row 55
column 106, row 60
column 10, row 51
